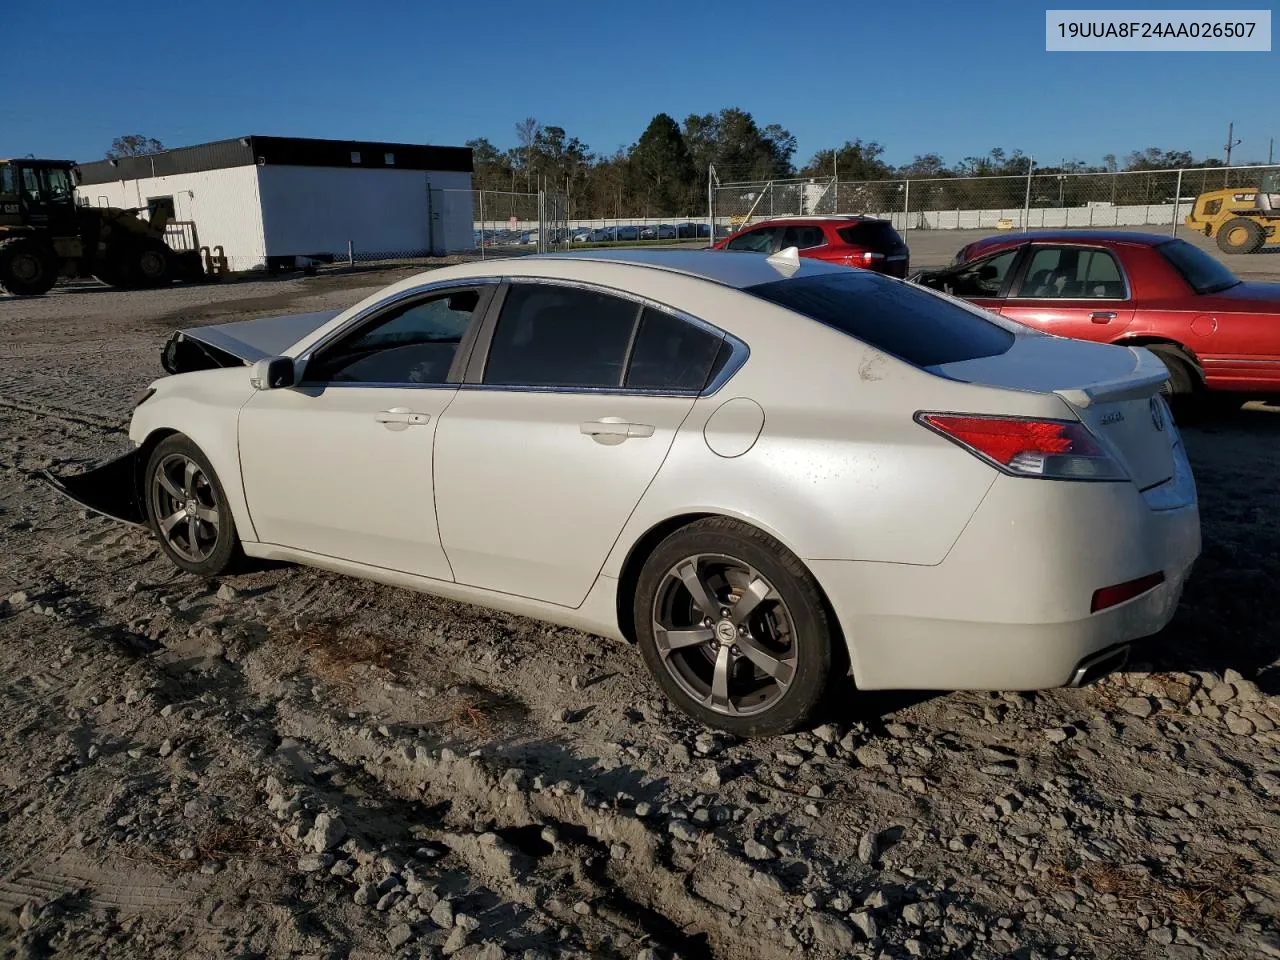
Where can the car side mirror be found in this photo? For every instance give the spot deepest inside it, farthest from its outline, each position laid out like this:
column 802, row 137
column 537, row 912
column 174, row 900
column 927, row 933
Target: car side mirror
column 272, row 373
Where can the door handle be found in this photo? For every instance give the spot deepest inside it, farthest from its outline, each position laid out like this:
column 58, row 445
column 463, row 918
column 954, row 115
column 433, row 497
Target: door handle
column 1102, row 316
column 401, row 415
column 614, row 427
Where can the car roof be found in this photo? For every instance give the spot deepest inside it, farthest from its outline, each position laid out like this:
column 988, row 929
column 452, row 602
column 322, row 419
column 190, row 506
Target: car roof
column 1075, row 236
column 816, row 218
column 727, row 267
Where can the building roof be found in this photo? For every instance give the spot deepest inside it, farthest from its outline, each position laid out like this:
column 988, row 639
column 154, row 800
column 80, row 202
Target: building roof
column 279, row 151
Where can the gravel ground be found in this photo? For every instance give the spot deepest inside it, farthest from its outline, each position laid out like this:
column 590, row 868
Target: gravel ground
column 289, row 763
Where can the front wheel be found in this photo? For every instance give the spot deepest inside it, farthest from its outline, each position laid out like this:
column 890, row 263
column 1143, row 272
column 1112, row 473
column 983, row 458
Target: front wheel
column 1241, row 236
column 734, row 629
column 187, row 509
column 27, row 268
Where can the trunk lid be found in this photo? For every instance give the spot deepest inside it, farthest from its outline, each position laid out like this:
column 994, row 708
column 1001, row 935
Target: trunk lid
column 1114, row 391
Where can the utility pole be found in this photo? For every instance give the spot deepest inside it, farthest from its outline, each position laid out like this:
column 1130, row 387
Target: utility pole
column 1230, row 141
column 1270, row 147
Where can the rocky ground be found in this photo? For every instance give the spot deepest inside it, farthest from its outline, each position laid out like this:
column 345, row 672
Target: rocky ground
column 288, row 763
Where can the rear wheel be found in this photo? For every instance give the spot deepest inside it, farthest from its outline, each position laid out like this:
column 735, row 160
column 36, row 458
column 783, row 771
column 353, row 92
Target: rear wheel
column 154, row 264
column 734, row 629
column 1183, row 380
column 187, row 508
column 1241, row 236
column 27, row 268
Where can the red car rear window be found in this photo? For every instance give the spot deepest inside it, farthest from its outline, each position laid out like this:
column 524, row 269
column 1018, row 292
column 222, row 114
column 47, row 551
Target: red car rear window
column 873, row 234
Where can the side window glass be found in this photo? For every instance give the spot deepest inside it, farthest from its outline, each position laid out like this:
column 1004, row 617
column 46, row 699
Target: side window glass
column 413, row 343
column 1072, row 273
column 551, row 336
column 8, row 185
column 803, row 237
column 757, row 241
column 1102, row 279
column 31, row 184
column 982, row 279
column 671, row 354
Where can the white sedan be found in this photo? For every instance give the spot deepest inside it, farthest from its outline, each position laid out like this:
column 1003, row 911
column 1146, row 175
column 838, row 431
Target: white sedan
column 766, row 472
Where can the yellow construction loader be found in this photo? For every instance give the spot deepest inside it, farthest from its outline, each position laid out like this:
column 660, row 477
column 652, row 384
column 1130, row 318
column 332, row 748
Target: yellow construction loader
column 1244, row 220
column 45, row 233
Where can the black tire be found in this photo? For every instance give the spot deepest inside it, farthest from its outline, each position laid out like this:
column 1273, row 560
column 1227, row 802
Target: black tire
column 790, row 629
column 205, row 520
column 153, row 263
column 1239, row 235
column 27, row 268
column 1184, row 381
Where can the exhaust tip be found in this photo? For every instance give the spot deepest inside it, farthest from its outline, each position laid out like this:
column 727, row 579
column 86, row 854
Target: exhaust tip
column 1098, row 665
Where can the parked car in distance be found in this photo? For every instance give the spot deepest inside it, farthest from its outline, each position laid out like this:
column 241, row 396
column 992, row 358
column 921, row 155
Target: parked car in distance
column 690, row 230
column 766, row 472
column 1217, row 334
column 853, row 241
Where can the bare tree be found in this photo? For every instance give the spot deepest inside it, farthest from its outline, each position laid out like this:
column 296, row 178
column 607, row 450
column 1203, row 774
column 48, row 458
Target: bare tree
column 527, row 132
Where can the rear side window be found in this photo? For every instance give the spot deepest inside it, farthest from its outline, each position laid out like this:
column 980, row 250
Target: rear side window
column 1203, row 273
column 902, row 320
column 803, row 237
column 872, row 234
column 671, row 354
column 550, row 336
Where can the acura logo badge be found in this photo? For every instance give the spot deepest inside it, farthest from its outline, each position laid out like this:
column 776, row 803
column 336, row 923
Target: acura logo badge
column 1157, row 415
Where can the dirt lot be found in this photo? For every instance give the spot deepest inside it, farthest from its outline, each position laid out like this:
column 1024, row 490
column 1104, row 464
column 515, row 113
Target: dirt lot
column 288, row 763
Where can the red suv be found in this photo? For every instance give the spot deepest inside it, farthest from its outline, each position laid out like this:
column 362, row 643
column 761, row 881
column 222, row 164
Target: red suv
column 854, row 241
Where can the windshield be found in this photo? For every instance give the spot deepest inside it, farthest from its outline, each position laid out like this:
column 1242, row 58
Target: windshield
column 1203, row 273
column 911, row 323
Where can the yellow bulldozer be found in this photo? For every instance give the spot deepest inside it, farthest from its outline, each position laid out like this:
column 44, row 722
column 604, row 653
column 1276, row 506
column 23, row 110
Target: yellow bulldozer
column 45, row 234
column 1243, row 220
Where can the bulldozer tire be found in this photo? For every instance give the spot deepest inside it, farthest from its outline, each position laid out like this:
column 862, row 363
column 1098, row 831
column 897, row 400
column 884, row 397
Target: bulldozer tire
column 154, row 264
column 1241, row 236
column 26, row 268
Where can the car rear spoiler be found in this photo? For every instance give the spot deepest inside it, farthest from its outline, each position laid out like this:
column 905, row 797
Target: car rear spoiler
column 1148, row 374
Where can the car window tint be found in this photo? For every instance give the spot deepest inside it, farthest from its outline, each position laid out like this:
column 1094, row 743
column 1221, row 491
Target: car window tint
column 560, row 336
column 982, row 278
column 803, row 237
column 875, row 234
column 756, row 241
column 1203, row 273
column 671, row 354
column 412, row 343
column 1071, row 273
column 903, row 320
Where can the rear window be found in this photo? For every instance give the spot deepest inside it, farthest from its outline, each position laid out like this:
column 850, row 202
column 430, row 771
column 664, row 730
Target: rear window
column 899, row 319
column 1203, row 273
column 877, row 235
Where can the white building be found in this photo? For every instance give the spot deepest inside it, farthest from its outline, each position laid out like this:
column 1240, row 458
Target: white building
column 268, row 200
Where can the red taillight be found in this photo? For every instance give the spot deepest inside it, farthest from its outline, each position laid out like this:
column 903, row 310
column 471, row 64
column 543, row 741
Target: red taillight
column 1057, row 449
column 869, row 257
column 1120, row 592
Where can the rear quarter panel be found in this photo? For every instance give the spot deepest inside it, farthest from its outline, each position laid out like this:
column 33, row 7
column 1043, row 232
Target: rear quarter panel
column 840, row 470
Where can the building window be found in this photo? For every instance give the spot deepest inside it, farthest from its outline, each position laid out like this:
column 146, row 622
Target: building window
column 355, row 156
column 389, row 159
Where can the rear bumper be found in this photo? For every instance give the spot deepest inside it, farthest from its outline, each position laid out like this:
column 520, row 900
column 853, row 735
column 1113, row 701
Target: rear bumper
column 1009, row 607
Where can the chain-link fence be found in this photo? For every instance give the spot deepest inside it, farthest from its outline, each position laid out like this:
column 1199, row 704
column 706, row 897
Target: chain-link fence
column 1035, row 200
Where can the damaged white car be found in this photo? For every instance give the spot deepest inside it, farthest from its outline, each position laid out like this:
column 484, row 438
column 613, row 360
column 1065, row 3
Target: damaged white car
column 768, row 473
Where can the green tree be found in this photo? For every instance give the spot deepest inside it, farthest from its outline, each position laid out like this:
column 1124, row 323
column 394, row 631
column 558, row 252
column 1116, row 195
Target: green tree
column 855, row 160
column 661, row 169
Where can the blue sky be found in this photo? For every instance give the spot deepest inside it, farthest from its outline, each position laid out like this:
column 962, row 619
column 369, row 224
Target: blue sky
column 944, row 77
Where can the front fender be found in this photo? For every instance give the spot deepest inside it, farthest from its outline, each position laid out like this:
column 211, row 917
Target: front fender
column 112, row 489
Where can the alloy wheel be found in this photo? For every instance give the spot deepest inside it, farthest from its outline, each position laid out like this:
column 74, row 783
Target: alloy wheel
column 724, row 634
column 185, row 507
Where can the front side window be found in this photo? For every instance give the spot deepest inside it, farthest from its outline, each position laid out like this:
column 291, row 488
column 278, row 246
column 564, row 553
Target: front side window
column 982, row 278
column 31, row 184
column 8, row 183
column 58, row 184
column 412, row 343
column 552, row 336
column 754, row 241
column 1072, row 273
